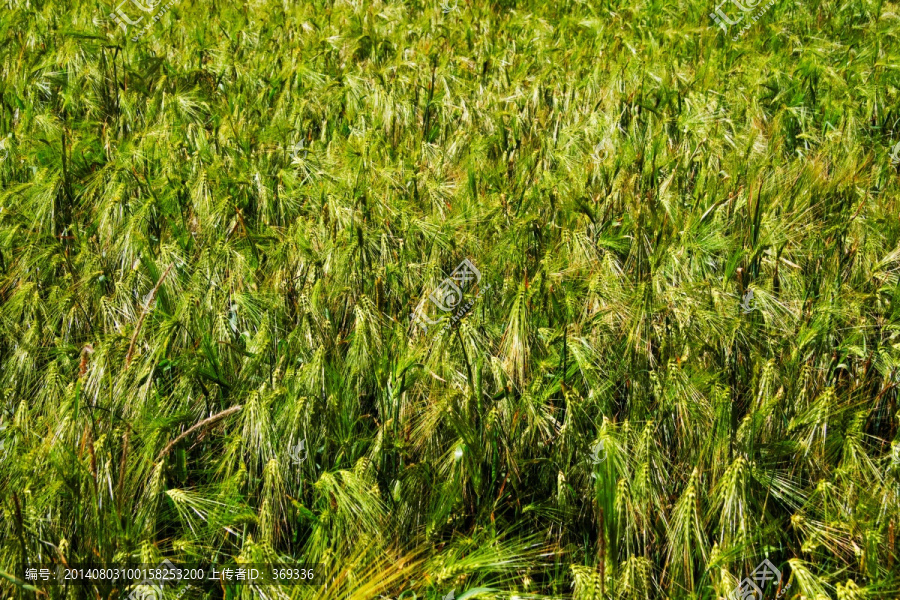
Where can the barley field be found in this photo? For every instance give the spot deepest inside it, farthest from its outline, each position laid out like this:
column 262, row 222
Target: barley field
column 520, row 300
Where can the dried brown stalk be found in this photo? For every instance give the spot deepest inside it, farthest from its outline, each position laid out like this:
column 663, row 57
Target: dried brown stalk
column 146, row 310
column 200, row 425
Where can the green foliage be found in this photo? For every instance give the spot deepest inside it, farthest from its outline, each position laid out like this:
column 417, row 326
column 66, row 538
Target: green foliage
column 211, row 241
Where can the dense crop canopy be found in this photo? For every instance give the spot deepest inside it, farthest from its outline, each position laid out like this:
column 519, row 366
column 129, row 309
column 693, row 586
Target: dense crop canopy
column 237, row 324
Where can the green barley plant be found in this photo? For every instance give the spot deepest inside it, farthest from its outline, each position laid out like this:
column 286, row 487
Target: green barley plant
column 685, row 358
